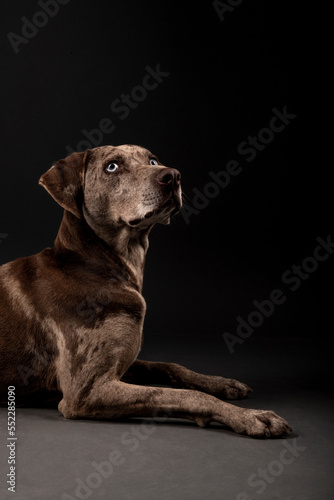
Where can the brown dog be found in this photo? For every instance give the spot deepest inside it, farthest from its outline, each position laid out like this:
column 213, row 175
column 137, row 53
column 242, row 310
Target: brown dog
column 71, row 317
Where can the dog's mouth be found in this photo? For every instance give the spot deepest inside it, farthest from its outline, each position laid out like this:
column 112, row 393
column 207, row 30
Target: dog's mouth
column 160, row 213
column 135, row 222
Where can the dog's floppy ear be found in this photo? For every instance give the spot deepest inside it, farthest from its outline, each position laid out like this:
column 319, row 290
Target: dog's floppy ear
column 65, row 182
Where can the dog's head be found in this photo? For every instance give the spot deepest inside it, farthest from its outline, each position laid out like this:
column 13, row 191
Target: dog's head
column 112, row 187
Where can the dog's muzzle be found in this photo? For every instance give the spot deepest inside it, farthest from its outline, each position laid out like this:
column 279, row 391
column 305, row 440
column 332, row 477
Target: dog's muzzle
column 168, row 195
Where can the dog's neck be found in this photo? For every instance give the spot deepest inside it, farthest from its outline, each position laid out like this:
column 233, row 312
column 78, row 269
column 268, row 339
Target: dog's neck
column 124, row 247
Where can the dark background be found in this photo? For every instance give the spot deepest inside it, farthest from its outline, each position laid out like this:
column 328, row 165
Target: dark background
column 225, row 79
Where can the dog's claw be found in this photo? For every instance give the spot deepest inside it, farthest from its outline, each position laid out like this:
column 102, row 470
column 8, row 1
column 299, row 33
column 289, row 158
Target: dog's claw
column 261, row 423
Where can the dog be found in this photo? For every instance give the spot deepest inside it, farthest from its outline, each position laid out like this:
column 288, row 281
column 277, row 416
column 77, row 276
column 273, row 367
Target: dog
column 71, row 316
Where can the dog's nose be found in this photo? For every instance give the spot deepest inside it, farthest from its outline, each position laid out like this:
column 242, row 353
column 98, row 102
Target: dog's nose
column 169, row 177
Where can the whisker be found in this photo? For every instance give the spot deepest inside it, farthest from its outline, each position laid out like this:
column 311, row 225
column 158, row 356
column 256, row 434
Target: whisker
column 186, row 199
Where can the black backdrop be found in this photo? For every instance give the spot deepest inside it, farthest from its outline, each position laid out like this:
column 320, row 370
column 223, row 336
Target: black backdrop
column 223, row 76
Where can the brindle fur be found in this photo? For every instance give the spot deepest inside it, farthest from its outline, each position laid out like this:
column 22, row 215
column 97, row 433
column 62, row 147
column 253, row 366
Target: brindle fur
column 71, row 317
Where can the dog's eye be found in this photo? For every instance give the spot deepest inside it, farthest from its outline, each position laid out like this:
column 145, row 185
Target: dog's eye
column 153, row 161
column 112, row 167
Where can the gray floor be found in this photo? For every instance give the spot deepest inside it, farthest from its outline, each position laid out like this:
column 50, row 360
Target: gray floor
column 147, row 460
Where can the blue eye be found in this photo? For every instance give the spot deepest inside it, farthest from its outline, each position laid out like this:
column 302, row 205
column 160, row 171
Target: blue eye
column 153, row 161
column 112, row 167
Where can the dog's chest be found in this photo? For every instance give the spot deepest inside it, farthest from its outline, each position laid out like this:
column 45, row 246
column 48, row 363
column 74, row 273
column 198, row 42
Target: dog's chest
column 115, row 323
column 95, row 308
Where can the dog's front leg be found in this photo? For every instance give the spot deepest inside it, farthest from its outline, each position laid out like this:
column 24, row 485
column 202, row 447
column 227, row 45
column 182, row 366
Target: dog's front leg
column 175, row 375
column 116, row 399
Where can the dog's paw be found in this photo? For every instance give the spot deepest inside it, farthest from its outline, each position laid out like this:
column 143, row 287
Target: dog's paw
column 260, row 424
column 228, row 388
